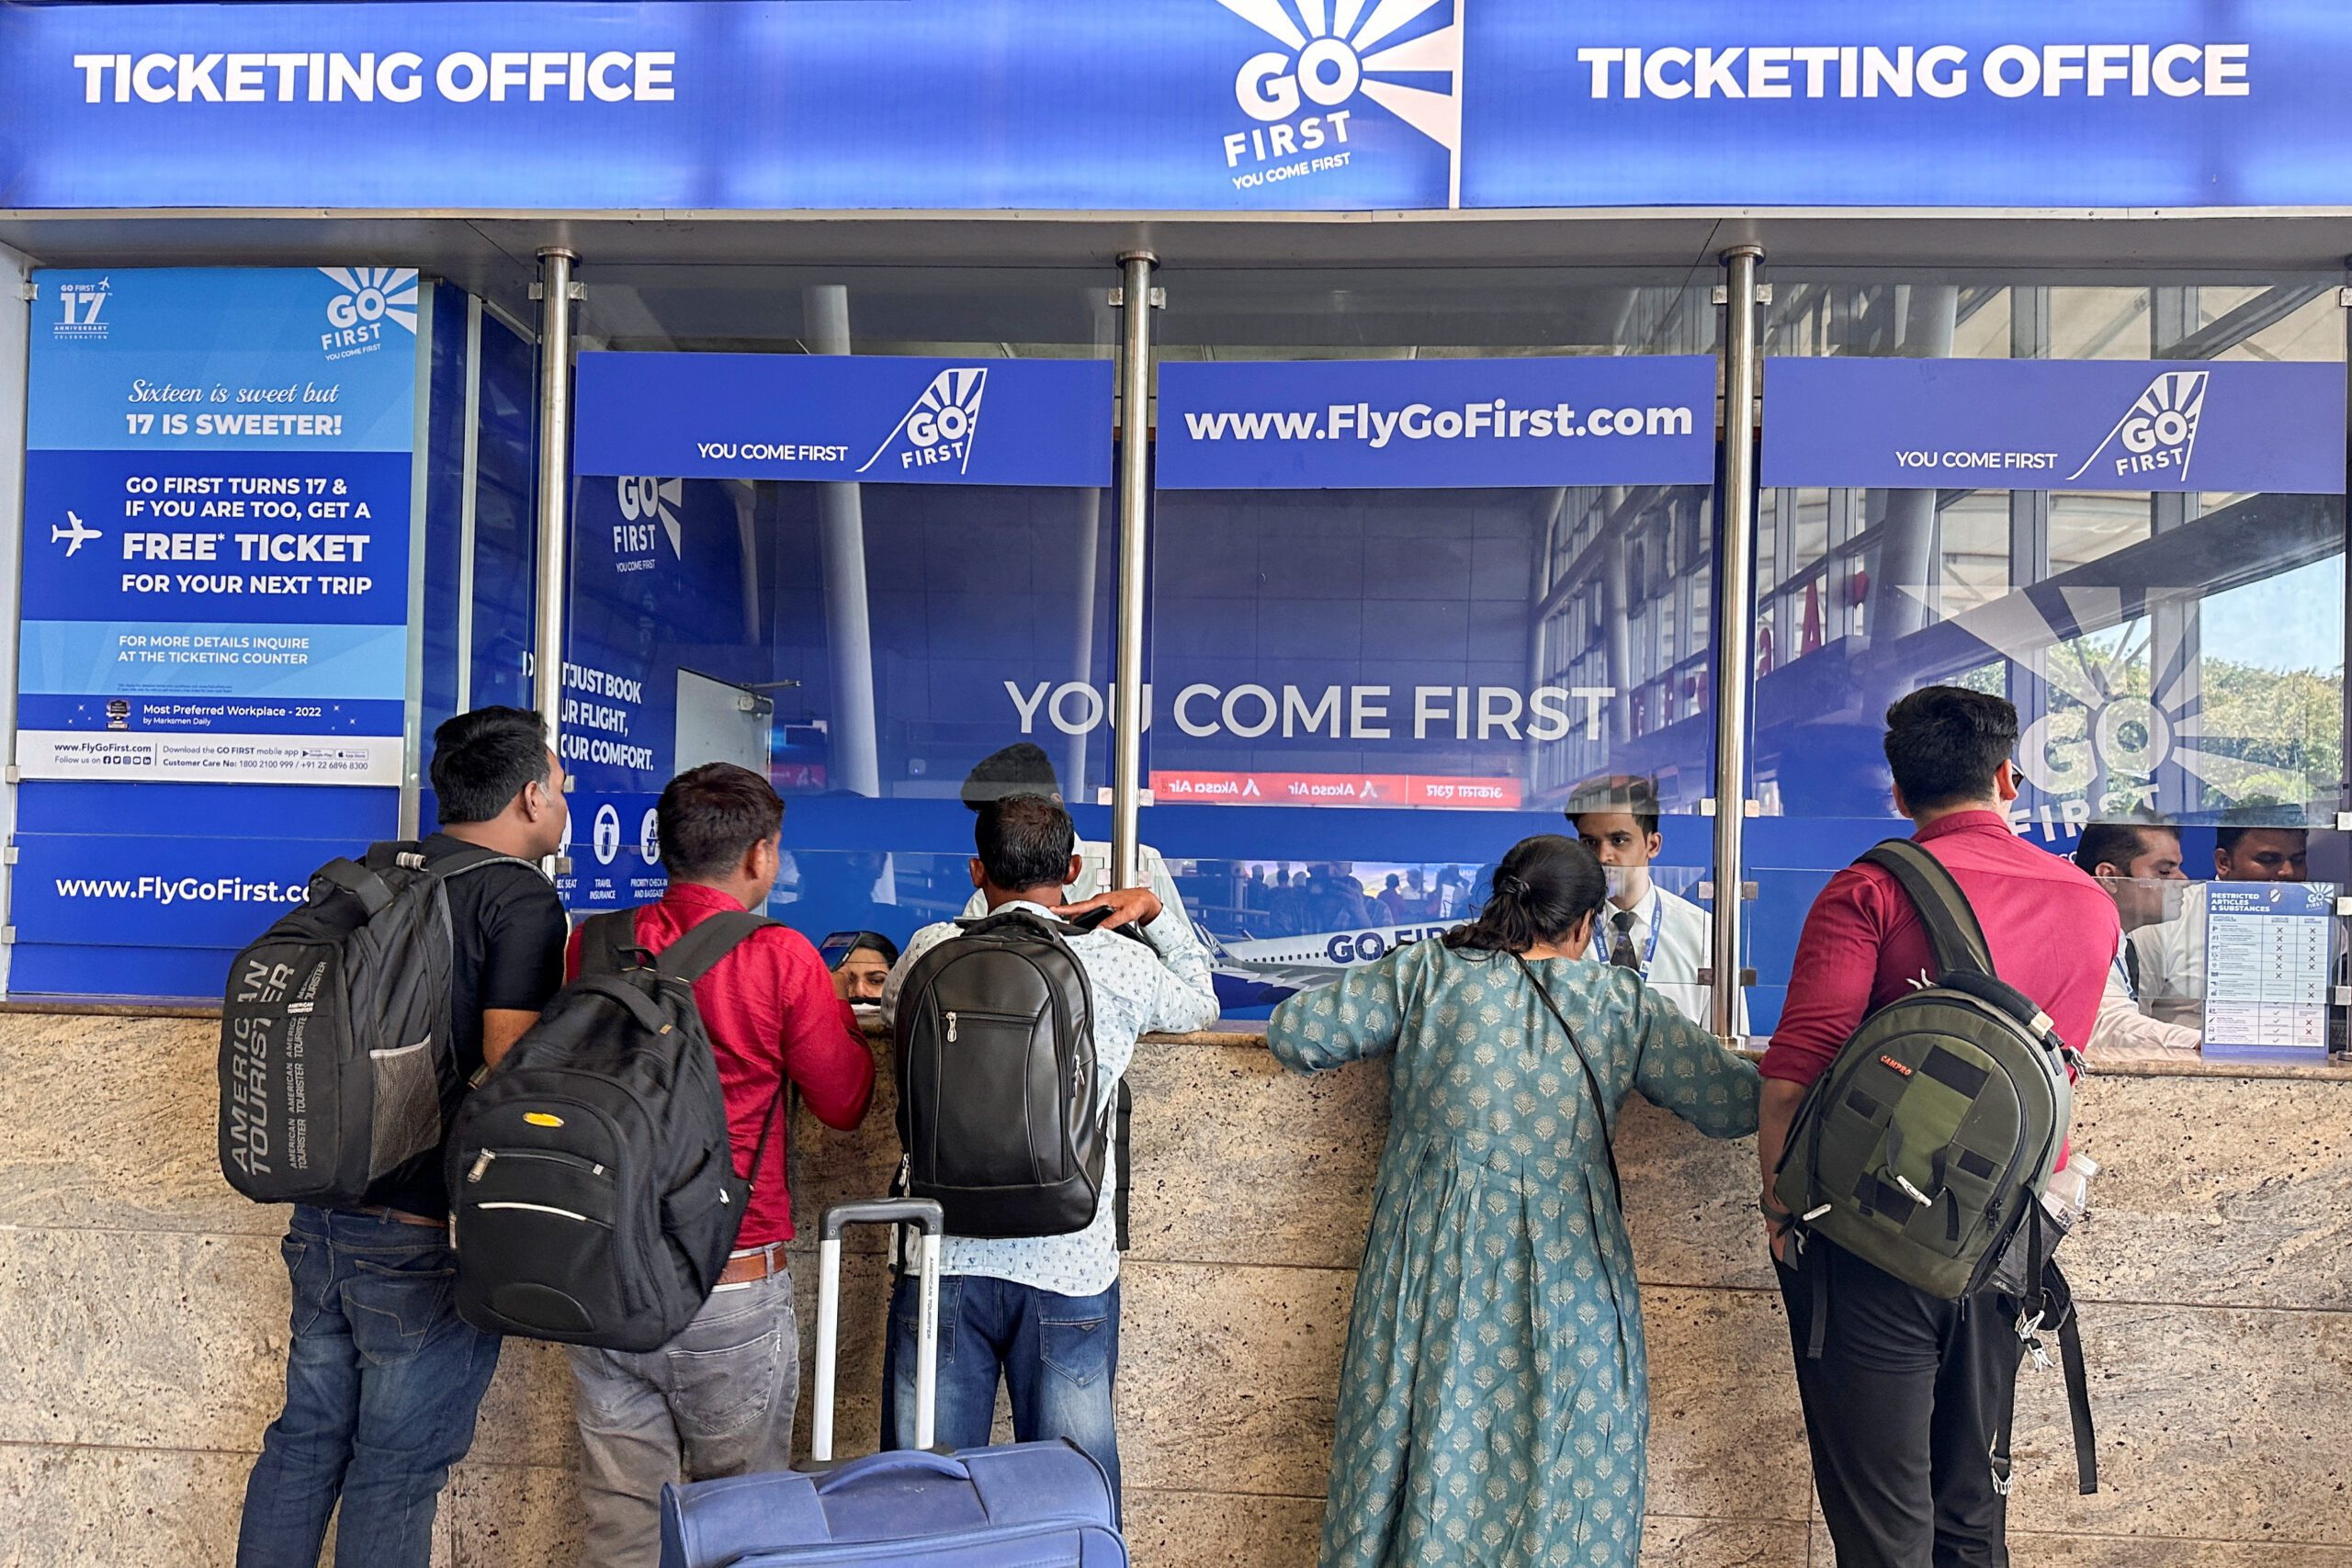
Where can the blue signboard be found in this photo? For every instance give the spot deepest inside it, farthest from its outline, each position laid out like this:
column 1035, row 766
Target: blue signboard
column 2269, row 949
column 217, row 518
column 2054, row 424
column 878, row 418
column 1210, row 105
column 1436, row 423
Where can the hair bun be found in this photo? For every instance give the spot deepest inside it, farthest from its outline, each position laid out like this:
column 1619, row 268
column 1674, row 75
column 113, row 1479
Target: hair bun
column 1510, row 885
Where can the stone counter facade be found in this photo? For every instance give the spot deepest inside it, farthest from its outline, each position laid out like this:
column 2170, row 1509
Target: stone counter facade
column 142, row 1307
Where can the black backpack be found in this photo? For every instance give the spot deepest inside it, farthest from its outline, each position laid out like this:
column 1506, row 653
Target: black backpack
column 337, row 1061
column 593, row 1192
column 1001, row 1115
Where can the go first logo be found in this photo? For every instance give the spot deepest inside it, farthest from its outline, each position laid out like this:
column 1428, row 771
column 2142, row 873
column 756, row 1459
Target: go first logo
column 1329, row 55
column 372, row 296
column 940, row 425
column 2158, row 432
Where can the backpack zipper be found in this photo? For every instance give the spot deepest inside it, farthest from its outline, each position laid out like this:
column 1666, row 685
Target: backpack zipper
column 482, row 1165
column 951, row 1028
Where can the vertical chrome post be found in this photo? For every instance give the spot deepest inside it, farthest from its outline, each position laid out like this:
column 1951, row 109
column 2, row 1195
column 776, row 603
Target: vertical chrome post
column 556, row 294
column 1735, row 624
column 1135, row 542
column 841, row 546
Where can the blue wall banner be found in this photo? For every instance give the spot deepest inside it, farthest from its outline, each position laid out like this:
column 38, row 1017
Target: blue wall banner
column 1436, row 423
column 884, row 418
column 1208, row 106
column 2056, row 424
column 217, row 494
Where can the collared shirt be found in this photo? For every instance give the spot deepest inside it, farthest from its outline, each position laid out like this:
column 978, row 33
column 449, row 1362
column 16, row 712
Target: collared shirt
column 2052, row 931
column 1685, row 937
column 2124, row 1033
column 2172, row 957
column 1137, row 992
column 1094, row 876
column 770, row 1013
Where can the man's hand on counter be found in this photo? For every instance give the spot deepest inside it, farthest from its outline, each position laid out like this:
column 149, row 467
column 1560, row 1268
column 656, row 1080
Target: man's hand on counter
column 1128, row 905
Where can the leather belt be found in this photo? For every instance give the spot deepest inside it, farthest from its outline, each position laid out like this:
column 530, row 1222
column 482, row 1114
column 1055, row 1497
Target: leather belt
column 756, row 1264
column 402, row 1215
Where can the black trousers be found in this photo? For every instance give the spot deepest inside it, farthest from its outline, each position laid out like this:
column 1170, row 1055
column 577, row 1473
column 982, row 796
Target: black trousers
column 1901, row 1410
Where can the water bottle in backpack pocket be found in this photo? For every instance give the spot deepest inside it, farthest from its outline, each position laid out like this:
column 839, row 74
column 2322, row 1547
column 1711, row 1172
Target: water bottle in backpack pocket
column 336, row 1063
column 593, row 1192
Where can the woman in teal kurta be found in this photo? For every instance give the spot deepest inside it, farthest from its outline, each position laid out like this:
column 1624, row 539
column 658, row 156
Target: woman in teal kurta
column 1494, row 1406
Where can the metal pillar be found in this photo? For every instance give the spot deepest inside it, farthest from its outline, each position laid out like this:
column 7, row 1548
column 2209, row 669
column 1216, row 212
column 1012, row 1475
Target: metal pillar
column 1087, row 562
column 1136, row 297
column 1735, row 625
column 856, row 753
column 557, row 291
column 1905, row 590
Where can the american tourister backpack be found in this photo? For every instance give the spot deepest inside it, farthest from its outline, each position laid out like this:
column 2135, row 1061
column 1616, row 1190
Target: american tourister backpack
column 593, row 1193
column 1931, row 1136
column 337, row 1061
column 1001, row 1115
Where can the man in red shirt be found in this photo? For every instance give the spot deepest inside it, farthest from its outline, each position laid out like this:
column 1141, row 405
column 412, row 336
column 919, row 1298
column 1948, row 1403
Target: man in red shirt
column 1903, row 1403
column 718, row 1399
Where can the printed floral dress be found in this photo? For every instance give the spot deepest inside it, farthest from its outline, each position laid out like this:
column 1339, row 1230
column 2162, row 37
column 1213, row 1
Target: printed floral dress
column 1494, row 1405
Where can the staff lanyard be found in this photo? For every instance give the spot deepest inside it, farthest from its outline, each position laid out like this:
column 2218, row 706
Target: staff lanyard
column 1658, row 921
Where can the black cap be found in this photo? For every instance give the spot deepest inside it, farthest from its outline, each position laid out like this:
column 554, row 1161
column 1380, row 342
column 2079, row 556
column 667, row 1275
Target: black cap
column 1022, row 768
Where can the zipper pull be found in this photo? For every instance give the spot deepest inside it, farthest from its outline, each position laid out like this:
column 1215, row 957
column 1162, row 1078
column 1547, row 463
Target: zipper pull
column 951, row 1029
column 480, row 1165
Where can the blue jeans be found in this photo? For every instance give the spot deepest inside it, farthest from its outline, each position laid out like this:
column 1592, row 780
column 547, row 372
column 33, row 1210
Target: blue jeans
column 381, row 1386
column 1058, row 1355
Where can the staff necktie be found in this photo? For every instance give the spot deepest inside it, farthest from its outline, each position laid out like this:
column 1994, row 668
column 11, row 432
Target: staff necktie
column 1621, row 950
column 2131, row 966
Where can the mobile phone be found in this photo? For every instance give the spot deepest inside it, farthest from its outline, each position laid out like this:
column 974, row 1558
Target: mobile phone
column 835, row 949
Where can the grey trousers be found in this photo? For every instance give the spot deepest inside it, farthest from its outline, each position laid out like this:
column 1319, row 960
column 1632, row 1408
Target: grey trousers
column 715, row 1400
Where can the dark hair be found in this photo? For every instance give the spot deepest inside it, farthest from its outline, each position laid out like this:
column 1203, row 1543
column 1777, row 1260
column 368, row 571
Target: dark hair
column 1024, row 840
column 2253, row 817
column 710, row 817
column 482, row 760
column 861, row 942
column 1627, row 792
column 1944, row 744
column 1543, row 888
column 2118, row 843
column 1020, row 768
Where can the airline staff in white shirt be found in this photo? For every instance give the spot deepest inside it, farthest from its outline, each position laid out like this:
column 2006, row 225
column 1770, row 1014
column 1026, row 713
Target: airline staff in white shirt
column 2139, row 864
column 1644, row 927
column 2172, row 955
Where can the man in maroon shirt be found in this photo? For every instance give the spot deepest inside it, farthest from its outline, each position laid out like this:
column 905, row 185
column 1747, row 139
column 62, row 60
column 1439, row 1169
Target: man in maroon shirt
column 718, row 1399
column 1903, row 1403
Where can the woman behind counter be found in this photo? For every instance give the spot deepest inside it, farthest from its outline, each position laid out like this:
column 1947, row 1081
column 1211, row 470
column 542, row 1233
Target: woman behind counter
column 1494, row 1405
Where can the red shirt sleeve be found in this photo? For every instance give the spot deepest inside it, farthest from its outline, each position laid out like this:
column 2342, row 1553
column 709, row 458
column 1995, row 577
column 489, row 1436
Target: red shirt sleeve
column 824, row 1051
column 571, row 956
column 1831, row 979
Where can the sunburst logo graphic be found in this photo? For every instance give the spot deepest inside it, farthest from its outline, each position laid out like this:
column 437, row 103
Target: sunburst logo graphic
column 646, row 499
column 1332, row 51
column 372, row 294
column 2157, row 433
column 940, row 425
column 2118, row 734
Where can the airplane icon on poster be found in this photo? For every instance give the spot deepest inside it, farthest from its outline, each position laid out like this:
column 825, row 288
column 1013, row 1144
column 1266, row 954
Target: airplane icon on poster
column 76, row 537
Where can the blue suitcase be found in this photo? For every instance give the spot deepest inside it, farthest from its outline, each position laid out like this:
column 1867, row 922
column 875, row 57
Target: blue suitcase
column 1025, row 1506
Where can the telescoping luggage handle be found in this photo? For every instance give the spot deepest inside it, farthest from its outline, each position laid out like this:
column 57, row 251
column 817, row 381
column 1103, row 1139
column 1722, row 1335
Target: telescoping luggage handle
column 926, row 1217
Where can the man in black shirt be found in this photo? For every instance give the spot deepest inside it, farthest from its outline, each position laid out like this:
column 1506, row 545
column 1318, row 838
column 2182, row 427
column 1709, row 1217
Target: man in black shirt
column 383, row 1378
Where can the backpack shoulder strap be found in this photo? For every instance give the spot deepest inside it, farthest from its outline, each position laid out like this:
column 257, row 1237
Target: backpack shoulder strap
column 472, row 857
column 1953, row 930
column 607, row 940
column 691, row 956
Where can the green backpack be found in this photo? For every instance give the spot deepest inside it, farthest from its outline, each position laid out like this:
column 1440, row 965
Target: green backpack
column 1930, row 1138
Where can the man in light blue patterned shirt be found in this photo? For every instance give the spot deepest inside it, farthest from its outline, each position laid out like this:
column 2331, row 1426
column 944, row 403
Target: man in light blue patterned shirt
column 1043, row 1311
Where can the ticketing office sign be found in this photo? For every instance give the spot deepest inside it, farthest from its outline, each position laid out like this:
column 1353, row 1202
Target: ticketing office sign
column 854, row 418
column 1172, row 106
column 218, row 504
column 2059, row 424
column 1436, row 423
